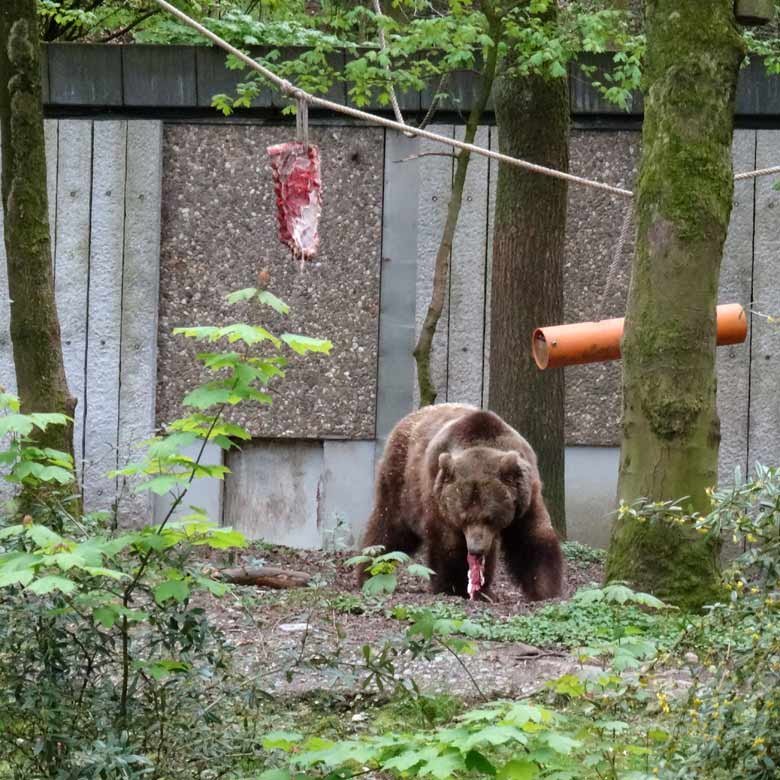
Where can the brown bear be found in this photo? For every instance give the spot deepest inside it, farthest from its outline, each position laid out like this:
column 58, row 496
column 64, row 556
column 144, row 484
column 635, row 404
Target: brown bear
column 459, row 479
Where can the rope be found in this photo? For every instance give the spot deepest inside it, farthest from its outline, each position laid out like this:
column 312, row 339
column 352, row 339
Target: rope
column 755, row 174
column 298, row 94
column 616, row 258
column 391, row 89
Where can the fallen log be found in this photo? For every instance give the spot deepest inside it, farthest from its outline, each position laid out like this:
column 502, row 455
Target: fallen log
column 264, row 577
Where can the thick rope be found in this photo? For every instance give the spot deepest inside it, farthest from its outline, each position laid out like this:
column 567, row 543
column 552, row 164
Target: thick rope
column 616, row 258
column 391, row 89
column 298, row 94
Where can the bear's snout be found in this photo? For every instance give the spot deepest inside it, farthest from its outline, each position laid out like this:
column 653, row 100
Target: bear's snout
column 479, row 539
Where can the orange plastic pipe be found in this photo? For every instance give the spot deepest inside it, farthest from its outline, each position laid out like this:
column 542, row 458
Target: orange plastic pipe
column 593, row 342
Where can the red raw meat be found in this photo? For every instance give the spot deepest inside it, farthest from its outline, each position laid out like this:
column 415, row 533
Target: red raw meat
column 296, row 173
column 476, row 575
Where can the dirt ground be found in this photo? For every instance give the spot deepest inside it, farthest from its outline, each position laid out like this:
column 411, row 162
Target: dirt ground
column 271, row 629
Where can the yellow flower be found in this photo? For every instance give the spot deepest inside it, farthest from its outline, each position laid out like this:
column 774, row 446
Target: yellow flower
column 740, row 585
column 758, row 742
column 751, row 538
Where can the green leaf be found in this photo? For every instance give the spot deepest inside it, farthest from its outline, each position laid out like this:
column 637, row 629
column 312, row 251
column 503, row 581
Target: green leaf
column 51, row 583
column 208, row 395
column 560, row 743
column 442, row 767
column 269, row 299
column 241, row 295
column 476, row 762
column 43, row 536
column 281, row 740
column 379, row 583
column 304, row 344
column 206, row 332
column 274, row 774
column 171, row 589
column 106, row 616
column 160, row 485
column 16, row 577
column 495, row 735
column 418, row 570
column 224, row 539
column 518, row 769
column 12, row 530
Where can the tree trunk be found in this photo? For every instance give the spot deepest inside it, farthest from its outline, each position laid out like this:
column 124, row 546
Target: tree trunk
column 35, row 330
column 265, row 577
column 671, row 429
column 422, row 352
column 532, row 114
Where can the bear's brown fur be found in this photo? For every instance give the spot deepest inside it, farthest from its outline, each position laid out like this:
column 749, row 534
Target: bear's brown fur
column 457, row 479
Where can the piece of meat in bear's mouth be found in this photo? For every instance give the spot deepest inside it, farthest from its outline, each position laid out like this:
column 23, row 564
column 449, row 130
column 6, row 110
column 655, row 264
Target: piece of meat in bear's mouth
column 476, row 575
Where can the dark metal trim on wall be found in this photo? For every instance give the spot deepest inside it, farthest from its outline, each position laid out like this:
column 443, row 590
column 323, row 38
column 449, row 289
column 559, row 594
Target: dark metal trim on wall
column 179, row 81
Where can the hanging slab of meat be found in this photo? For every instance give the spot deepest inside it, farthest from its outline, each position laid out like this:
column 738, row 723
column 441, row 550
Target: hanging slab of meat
column 296, row 174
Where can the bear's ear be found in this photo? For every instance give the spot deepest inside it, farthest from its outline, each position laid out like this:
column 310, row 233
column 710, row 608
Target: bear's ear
column 446, row 471
column 511, row 468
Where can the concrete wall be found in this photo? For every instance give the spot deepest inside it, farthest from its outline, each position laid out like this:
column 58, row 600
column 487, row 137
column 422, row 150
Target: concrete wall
column 104, row 208
column 306, row 478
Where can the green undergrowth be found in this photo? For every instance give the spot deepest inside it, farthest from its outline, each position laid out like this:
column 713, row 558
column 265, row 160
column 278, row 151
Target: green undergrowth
column 567, row 625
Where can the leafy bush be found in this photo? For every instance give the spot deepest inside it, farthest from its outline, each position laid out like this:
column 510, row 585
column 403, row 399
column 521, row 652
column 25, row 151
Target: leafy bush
column 109, row 668
column 731, row 720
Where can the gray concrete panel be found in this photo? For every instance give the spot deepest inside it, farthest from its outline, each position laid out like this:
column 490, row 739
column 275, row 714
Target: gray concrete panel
column 51, row 134
column 347, row 492
column 492, row 186
column 591, row 487
column 396, row 376
column 140, row 285
column 101, row 412
column 273, row 492
column 71, row 263
column 159, row 75
column 220, row 230
column 466, row 322
column 204, row 492
column 764, row 433
column 593, row 224
column 85, row 74
column 433, row 198
column 733, row 362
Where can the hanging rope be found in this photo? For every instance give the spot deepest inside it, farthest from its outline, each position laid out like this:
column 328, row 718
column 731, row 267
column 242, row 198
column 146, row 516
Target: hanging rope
column 391, row 89
column 616, row 258
column 298, row 94
column 302, row 122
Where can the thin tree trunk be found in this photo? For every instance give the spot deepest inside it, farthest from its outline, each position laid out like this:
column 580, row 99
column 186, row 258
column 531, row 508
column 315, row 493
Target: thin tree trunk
column 35, row 330
column 532, row 114
column 422, row 352
column 671, row 430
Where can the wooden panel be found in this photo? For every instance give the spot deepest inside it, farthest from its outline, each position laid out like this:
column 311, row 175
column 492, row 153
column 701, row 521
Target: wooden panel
column 159, row 75
column 101, row 413
column 433, row 198
column 492, row 183
column 140, row 284
column 466, row 322
column 85, row 74
column 395, row 386
column 71, row 261
column 764, row 441
column 282, row 506
column 735, row 281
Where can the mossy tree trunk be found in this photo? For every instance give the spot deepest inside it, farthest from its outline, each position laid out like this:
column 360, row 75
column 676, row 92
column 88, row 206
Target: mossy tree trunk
column 532, row 114
column 35, row 330
column 671, row 430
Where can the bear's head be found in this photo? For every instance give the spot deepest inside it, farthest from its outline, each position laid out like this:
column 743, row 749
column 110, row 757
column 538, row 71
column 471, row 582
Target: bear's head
column 479, row 491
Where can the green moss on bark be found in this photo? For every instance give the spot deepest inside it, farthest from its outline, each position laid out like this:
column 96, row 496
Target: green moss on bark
column 671, row 430
column 35, row 330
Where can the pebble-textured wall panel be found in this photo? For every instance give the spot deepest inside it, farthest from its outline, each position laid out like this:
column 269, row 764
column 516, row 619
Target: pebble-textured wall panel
column 219, row 232
column 593, row 224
